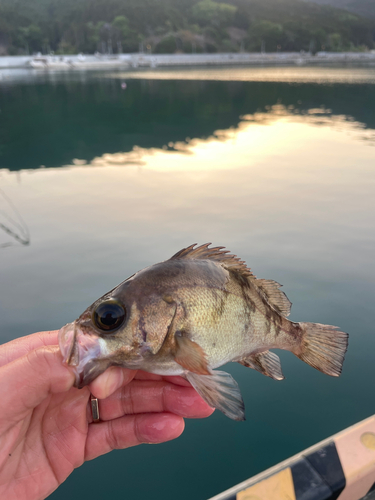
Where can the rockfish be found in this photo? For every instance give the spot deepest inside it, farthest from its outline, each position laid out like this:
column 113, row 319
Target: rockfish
column 191, row 314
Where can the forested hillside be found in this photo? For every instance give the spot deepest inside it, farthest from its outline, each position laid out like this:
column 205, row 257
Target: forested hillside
column 167, row 26
column 365, row 8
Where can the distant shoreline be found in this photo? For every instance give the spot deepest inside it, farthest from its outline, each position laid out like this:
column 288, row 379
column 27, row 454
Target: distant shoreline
column 139, row 60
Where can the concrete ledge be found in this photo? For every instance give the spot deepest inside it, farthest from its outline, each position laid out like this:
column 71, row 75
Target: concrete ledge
column 71, row 62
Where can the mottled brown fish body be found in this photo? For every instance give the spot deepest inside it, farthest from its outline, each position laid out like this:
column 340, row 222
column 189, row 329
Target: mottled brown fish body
column 231, row 320
column 191, row 314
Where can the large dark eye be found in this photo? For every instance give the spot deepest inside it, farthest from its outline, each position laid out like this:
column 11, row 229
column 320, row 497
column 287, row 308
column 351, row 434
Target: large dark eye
column 109, row 316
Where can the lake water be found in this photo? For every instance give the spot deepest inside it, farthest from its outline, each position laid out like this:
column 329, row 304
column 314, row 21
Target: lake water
column 104, row 180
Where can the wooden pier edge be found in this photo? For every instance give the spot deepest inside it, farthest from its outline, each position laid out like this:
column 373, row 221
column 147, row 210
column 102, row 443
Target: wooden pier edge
column 341, row 467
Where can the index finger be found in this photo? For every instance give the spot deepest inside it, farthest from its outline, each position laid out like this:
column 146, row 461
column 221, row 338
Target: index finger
column 27, row 381
column 115, row 377
column 175, row 379
column 19, row 347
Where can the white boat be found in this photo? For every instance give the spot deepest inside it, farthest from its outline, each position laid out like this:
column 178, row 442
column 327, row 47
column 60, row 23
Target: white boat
column 79, row 61
column 51, row 62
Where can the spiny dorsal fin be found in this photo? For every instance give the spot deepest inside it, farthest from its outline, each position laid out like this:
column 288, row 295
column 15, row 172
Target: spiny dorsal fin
column 217, row 254
column 275, row 296
column 270, row 288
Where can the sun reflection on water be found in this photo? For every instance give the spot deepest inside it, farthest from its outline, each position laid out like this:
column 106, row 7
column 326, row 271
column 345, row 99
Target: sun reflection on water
column 279, row 173
column 292, row 74
column 244, row 146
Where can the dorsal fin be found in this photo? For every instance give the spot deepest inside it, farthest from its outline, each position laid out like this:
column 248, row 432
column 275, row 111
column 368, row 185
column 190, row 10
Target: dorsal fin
column 217, row 254
column 271, row 289
column 275, row 296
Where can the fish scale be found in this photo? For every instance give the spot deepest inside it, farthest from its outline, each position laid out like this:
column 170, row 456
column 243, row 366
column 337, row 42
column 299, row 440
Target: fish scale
column 216, row 320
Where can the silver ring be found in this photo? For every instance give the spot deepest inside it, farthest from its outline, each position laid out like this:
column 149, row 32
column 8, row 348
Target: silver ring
column 95, row 409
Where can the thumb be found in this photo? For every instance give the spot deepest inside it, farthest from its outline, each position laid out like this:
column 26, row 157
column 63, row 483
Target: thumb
column 27, row 381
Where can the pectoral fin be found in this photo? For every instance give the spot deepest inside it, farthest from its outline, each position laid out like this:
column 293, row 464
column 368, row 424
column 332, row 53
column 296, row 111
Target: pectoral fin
column 191, row 356
column 267, row 363
column 220, row 391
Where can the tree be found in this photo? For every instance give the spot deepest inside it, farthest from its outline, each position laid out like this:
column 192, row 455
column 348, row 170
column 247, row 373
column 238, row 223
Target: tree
column 335, row 42
column 119, row 25
column 92, row 37
column 127, row 39
column 166, row 46
column 320, row 38
column 297, row 37
column 217, row 14
column 266, row 32
column 30, row 38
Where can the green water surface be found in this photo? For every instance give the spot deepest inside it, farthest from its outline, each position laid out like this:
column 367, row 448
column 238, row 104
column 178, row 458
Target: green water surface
column 109, row 180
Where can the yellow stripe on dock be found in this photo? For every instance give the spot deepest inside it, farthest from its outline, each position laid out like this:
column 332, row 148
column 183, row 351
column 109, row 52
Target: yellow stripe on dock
column 279, row 486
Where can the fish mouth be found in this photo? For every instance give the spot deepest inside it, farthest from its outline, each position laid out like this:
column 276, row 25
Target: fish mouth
column 83, row 352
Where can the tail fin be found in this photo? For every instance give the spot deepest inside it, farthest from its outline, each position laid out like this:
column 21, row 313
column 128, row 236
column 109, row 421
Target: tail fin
column 323, row 347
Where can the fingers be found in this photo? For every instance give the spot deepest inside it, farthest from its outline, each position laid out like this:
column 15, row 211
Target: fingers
column 27, row 381
column 153, row 397
column 115, row 377
column 131, row 431
column 19, row 347
column 178, row 381
column 141, row 375
column 111, row 380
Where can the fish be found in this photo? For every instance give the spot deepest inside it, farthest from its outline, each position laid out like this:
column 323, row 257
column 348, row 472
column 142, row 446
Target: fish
column 191, row 314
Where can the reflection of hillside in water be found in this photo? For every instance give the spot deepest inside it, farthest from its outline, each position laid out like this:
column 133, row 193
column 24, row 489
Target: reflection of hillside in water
column 245, row 144
column 51, row 124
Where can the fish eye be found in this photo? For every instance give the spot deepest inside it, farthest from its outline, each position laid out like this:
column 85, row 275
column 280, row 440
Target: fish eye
column 109, row 316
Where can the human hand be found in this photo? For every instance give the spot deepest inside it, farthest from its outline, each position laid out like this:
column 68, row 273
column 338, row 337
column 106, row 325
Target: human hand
column 46, row 426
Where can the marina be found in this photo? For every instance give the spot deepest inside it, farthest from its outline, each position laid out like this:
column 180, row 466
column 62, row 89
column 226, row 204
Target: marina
column 148, row 60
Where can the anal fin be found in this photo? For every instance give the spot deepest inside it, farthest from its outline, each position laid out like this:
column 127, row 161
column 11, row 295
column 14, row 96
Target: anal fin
column 267, row 363
column 220, row 391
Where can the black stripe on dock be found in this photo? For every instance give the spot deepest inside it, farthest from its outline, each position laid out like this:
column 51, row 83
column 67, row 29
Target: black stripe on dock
column 319, row 475
column 308, row 484
column 327, row 464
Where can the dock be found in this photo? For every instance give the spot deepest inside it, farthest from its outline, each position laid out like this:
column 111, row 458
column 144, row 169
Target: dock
column 342, row 467
column 145, row 60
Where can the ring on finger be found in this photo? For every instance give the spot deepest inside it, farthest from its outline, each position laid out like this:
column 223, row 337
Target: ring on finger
column 95, row 409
